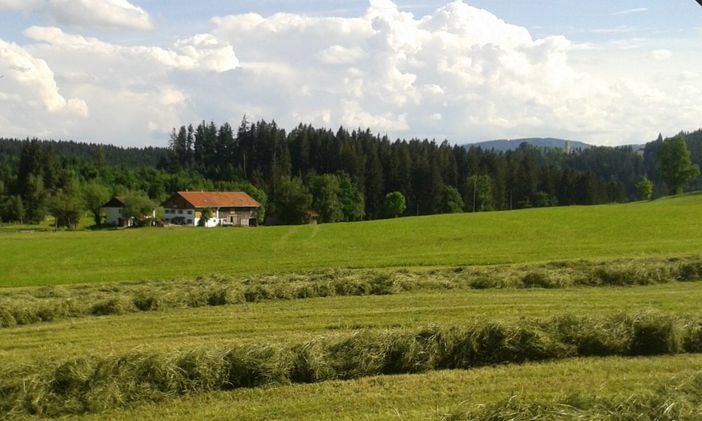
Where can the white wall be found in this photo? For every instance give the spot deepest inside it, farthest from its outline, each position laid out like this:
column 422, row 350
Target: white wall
column 173, row 213
column 113, row 215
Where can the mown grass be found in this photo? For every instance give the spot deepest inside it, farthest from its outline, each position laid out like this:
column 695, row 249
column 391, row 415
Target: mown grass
column 93, row 383
column 434, row 395
column 671, row 402
column 295, row 321
column 24, row 306
column 669, row 227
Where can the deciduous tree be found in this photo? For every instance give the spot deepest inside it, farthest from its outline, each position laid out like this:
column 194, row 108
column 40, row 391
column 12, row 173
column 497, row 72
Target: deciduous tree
column 675, row 165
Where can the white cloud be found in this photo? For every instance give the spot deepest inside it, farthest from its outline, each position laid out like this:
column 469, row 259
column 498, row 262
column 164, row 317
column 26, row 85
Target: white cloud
column 337, row 54
column 90, row 14
column 661, row 55
column 201, row 52
column 631, row 11
column 32, row 80
column 459, row 73
column 19, row 5
column 397, row 72
column 128, row 89
column 100, row 14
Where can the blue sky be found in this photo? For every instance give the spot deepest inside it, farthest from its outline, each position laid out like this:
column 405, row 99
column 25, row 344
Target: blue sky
column 127, row 71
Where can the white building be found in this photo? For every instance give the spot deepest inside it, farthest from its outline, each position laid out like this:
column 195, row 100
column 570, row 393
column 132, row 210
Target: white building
column 115, row 217
column 236, row 209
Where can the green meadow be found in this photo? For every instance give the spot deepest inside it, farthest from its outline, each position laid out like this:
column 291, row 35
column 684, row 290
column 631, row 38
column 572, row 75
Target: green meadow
column 669, row 227
column 580, row 312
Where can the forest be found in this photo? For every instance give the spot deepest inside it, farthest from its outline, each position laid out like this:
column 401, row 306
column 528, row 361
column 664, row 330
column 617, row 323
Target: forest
column 341, row 176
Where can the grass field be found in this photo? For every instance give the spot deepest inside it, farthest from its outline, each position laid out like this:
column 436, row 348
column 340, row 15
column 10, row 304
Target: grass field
column 423, row 396
column 669, row 227
column 294, row 321
column 91, row 367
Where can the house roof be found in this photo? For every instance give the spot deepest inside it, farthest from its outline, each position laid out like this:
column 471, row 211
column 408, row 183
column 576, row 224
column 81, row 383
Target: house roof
column 115, row 202
column 219, row 199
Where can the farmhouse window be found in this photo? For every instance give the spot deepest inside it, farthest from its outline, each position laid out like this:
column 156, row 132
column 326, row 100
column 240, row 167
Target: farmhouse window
column 180, row 212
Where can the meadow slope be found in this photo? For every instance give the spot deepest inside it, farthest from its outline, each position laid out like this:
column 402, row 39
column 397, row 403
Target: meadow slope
column 667, row 227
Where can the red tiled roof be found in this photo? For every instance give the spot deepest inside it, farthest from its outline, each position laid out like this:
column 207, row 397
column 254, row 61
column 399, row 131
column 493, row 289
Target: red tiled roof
column 219, row 199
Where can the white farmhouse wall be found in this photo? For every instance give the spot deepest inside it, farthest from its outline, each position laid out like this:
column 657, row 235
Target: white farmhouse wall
column 169, row 214
column 113, row 215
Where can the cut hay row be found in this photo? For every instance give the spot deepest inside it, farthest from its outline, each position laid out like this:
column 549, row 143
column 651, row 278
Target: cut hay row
column 89, row 383
column 678, row 402
column 27, row 306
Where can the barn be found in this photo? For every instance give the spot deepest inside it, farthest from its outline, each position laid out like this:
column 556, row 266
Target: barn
column 234, row 209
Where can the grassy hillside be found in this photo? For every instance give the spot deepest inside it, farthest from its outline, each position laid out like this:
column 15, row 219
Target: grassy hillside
column 294, row 357
column 662, row 228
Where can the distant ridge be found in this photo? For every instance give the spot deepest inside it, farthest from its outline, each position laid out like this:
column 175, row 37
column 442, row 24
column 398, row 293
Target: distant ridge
column 504, row 145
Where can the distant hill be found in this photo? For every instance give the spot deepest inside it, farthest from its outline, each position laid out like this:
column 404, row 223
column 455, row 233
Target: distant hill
column 504, row 145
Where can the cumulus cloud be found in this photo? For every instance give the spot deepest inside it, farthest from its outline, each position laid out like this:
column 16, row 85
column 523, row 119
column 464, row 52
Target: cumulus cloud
column 99, row 13
column 661, row 55
column 127, row 89
column 460, row 73
column 32, row 80
column 201, row 52
column 90, row 14
column 19, row 5
column 461, row 63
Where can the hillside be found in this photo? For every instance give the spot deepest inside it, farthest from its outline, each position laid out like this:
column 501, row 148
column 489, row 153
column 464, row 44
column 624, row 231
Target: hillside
column 504, row 145
column 615, row 328
column 664, row 227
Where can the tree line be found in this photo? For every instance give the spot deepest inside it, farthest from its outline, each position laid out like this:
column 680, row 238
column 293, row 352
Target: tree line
column 333, row 176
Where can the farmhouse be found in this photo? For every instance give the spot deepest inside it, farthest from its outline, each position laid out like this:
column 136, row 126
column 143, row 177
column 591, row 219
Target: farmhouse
column 114, row 214
column 236, row 209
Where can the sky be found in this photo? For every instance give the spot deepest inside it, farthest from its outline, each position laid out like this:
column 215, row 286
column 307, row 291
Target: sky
column 126, row 72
